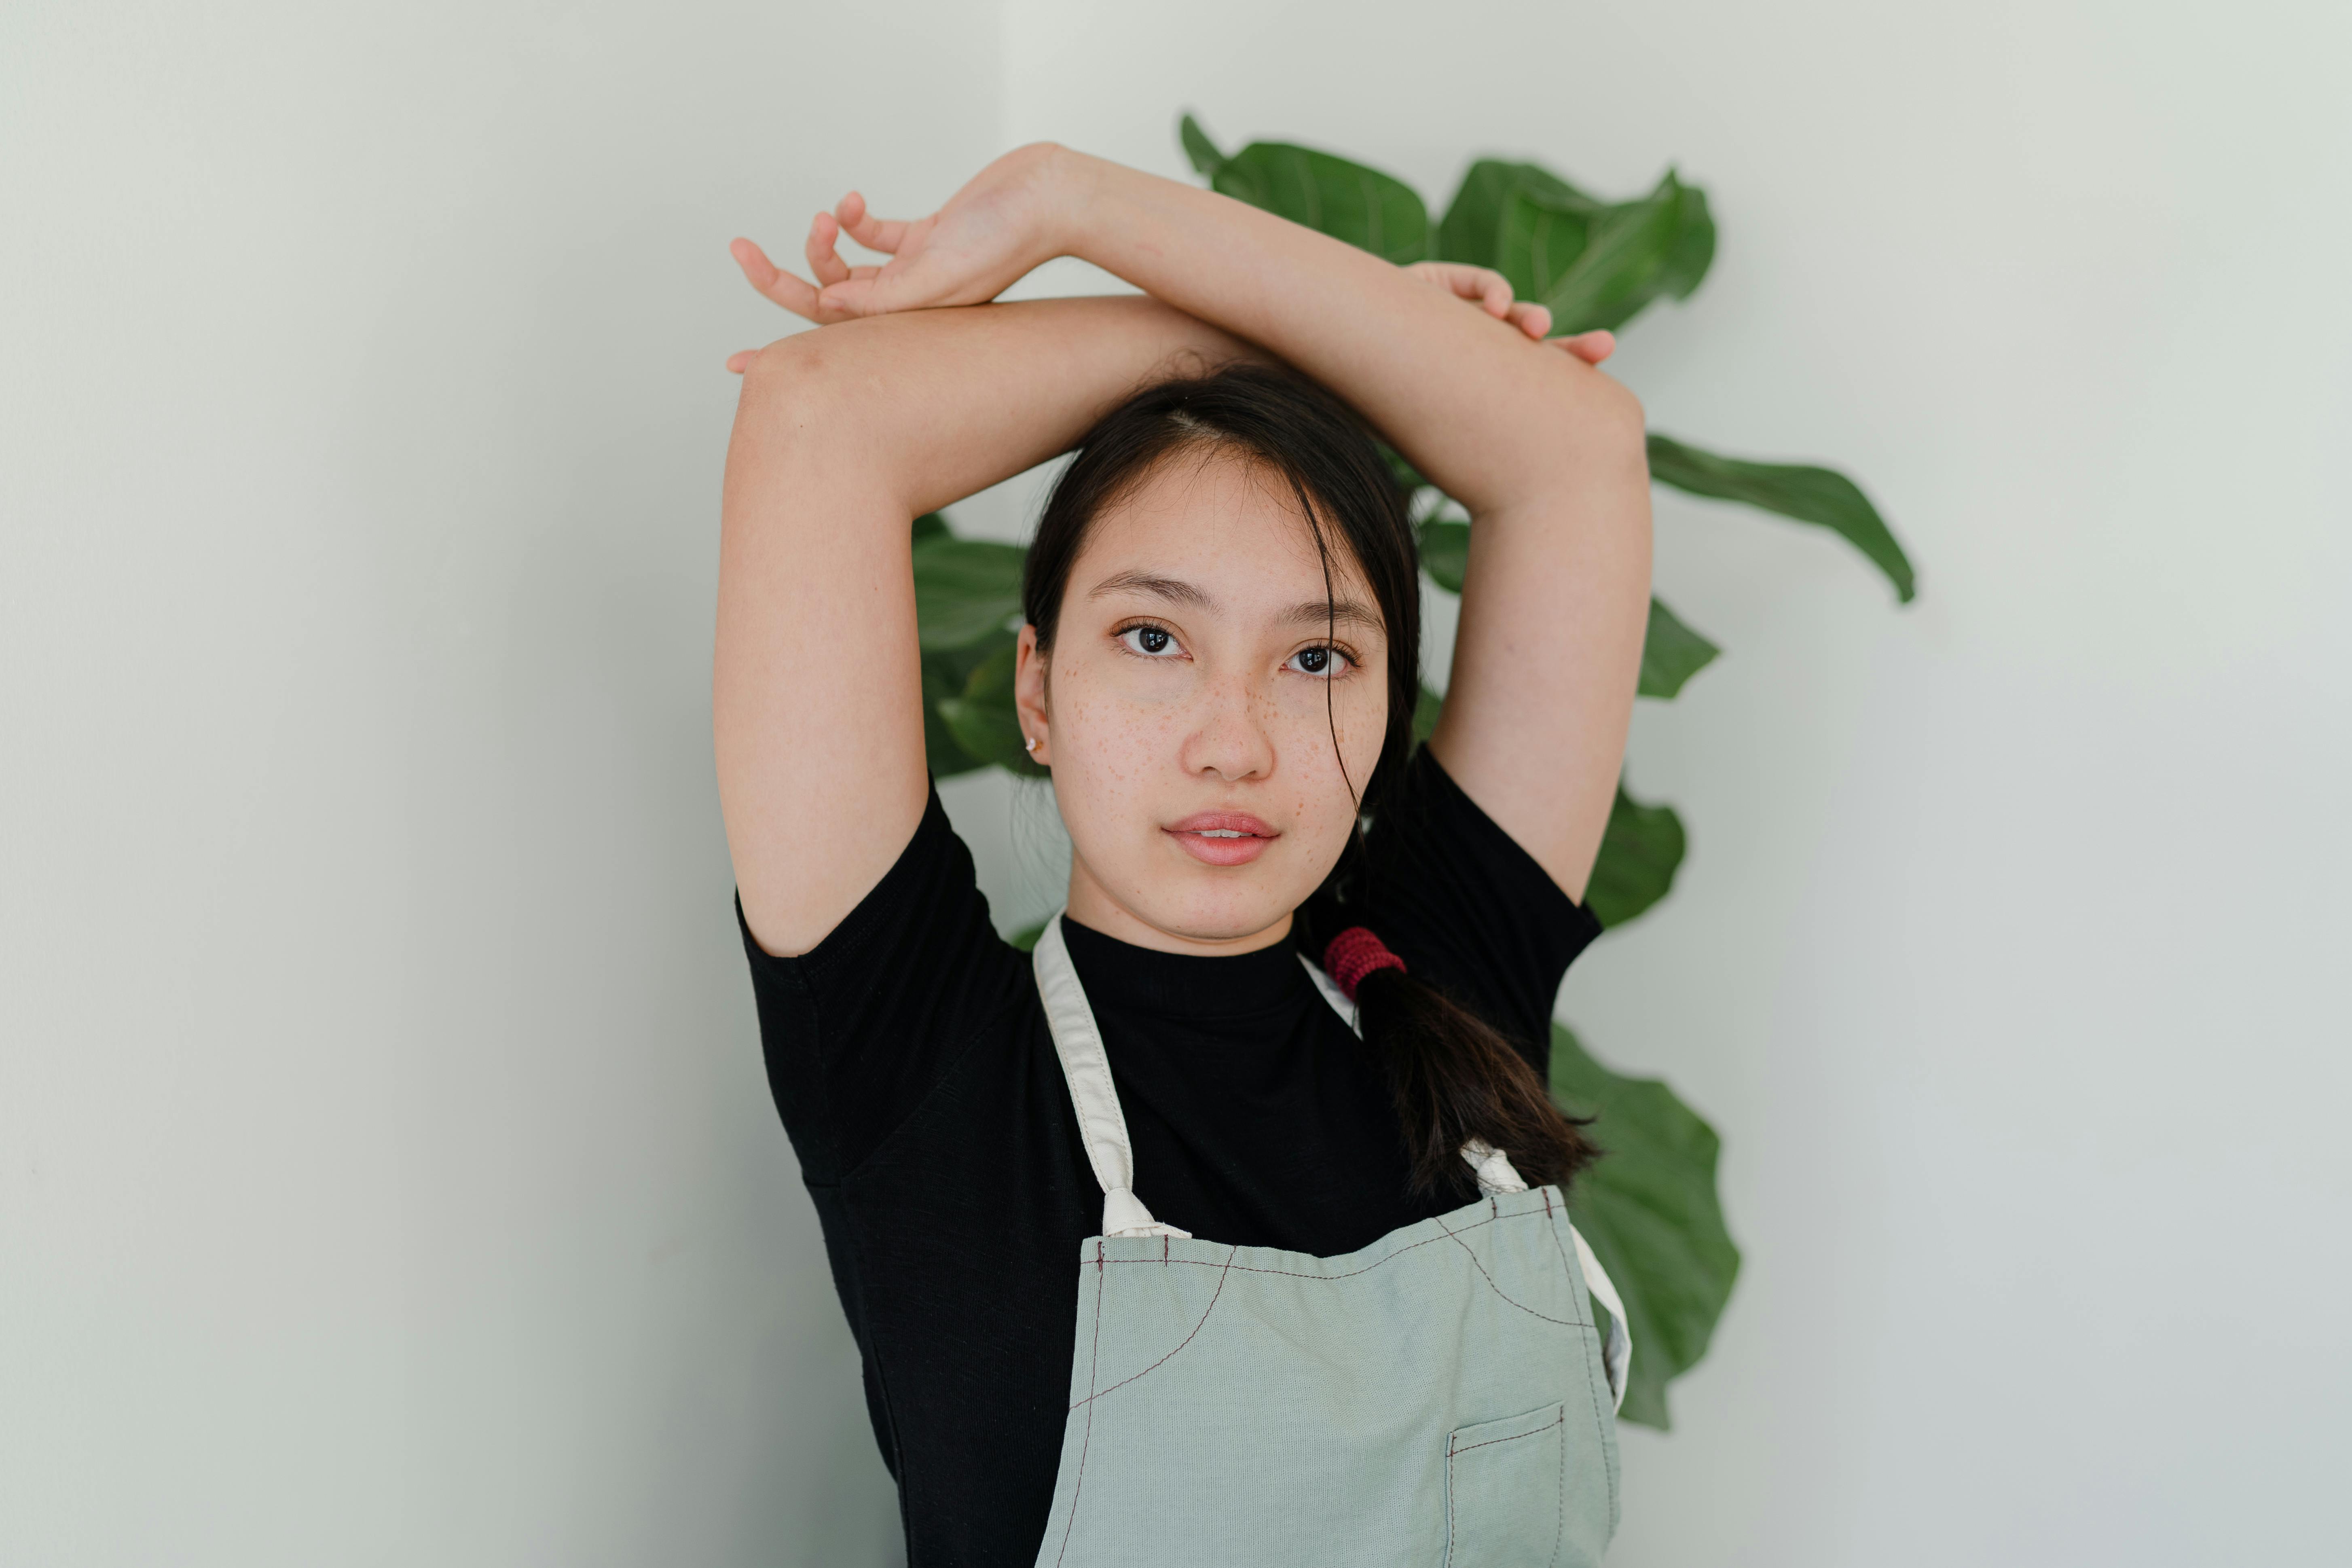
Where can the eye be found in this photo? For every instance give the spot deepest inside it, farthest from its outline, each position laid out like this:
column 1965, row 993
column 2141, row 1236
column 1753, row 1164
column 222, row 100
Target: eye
column 1322, row 661
column 1152, row 642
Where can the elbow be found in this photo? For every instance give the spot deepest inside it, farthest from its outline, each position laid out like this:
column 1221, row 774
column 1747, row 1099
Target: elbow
column 785, row 377
column 1615, row 414
column 1607, row 424
column 801, row 399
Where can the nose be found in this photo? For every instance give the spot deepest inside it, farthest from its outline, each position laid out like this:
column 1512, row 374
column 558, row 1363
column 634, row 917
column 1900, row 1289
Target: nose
column 1228, row 739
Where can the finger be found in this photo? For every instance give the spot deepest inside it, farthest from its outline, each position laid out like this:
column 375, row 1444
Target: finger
column 1483, row 286
column 877, row 291
column 855, row 298
column 825, row 262
column 867, row 230
column 794, row 294
column 741, row 362
column 1590, row 347
column 1531, row 318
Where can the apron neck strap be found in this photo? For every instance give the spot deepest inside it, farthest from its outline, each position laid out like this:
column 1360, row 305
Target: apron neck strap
column 1085, row 1068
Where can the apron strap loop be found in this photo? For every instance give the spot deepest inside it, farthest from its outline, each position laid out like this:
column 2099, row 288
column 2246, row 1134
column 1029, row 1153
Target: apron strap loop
column 1124, row 1214
column 1496, row 1171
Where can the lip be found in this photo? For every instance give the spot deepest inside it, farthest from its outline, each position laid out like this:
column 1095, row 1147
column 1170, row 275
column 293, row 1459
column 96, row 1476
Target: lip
column 1193, row 833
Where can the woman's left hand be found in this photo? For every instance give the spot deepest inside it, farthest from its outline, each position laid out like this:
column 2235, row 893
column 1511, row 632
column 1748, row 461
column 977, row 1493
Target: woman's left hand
column 1491, row 291
column 990, row 235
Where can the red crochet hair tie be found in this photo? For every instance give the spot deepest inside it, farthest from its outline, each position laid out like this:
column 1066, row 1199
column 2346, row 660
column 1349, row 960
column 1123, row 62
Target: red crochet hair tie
column 1354, row 953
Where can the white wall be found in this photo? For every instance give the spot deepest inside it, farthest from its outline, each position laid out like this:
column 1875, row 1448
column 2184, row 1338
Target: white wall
column 2008, row 957
column 387, row 1170
column 386, row 1174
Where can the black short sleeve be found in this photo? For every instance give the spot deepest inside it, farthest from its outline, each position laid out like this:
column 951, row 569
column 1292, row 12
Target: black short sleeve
column 1466, row 908
column 858, row 1030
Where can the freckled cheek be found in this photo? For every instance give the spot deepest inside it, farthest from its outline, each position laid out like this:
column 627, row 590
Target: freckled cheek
column 1359, row 717
column 1114, row 741
column 1321, row 795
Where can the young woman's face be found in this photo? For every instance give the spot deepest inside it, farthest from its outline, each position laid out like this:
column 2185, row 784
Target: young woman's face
column 1197, row 677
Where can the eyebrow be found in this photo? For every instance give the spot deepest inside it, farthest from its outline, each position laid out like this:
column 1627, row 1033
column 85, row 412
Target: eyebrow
column 1170, row 590
column 1176, row 591
column 1331, row 612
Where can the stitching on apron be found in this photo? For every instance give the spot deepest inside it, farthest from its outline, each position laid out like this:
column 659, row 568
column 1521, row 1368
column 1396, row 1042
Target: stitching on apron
column 1499, row 1290
column 1598, row 1432
column 1092, row 1395
column 1453, row 1236
column 1302, row 1274
column 1094, row 1365
column 1558, row 1520
column 1449, row 1502
column 1515, row 1437
column 1229, row 1268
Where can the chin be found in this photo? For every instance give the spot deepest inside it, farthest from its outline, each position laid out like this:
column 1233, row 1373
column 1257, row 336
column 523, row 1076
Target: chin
column 1221, row 905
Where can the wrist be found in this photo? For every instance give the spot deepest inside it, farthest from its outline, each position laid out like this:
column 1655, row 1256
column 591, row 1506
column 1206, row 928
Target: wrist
column 1074, row 184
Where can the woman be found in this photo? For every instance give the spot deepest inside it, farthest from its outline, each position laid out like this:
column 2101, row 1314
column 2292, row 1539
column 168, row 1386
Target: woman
column 1319, row 1316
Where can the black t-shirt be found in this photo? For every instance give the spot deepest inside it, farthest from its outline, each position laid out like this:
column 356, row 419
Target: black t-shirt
column 910, row 1060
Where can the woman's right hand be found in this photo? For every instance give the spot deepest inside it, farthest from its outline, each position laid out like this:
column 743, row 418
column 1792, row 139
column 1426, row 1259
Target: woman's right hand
column 990, row 234
column 1491, row 292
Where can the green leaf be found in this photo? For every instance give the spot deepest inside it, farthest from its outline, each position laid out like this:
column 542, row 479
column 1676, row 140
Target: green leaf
column 1408, row 479
column 1445, row 551
column 1368, row 210
column 1641, row 850
column 1660, row 245
column 942, row 680
column 946, row 673
column 932, row 525
column 1693, row 249
column 1474, row 220
column 982, row 719
column 1203, row 152
column 1426, row 710
column 1537, row 242
column 965, row 589
column 1820, row 496
column 1650, row 1210
column 1467, row 232
column 1671, row 653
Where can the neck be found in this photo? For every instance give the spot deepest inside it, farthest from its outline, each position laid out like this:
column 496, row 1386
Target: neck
column 1092, row 905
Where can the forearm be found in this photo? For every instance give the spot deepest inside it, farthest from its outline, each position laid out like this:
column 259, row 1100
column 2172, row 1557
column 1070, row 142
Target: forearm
column 929, row 406
column 1492, row 418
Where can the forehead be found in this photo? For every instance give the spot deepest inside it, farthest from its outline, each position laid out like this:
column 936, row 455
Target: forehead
column 1230, row 525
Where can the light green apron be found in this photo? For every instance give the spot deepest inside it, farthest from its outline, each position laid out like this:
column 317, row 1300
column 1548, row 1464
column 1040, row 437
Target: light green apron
column 1440, row 1399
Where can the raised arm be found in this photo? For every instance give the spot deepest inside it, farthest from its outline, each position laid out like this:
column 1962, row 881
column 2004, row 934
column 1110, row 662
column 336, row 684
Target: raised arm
column 843, row 436
column 1546, row 451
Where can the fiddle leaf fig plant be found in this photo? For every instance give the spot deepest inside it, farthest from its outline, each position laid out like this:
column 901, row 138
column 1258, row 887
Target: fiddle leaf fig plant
column 1650, row 1207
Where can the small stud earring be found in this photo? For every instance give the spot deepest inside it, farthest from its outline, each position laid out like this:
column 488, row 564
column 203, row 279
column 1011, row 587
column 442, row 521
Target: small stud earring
column 1030, row 745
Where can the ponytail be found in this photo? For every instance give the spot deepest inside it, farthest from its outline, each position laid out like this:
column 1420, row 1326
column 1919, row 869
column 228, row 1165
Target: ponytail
column 1454, row 1077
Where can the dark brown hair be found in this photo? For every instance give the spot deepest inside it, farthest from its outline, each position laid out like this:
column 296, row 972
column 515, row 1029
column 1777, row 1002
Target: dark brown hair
column 1454, row 1077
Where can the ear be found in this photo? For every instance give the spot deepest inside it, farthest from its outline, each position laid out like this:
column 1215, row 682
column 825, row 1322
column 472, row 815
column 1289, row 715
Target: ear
column 1029, row 696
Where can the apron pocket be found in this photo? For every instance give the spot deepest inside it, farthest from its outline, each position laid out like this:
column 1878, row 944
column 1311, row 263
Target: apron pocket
column 1503, row 1482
